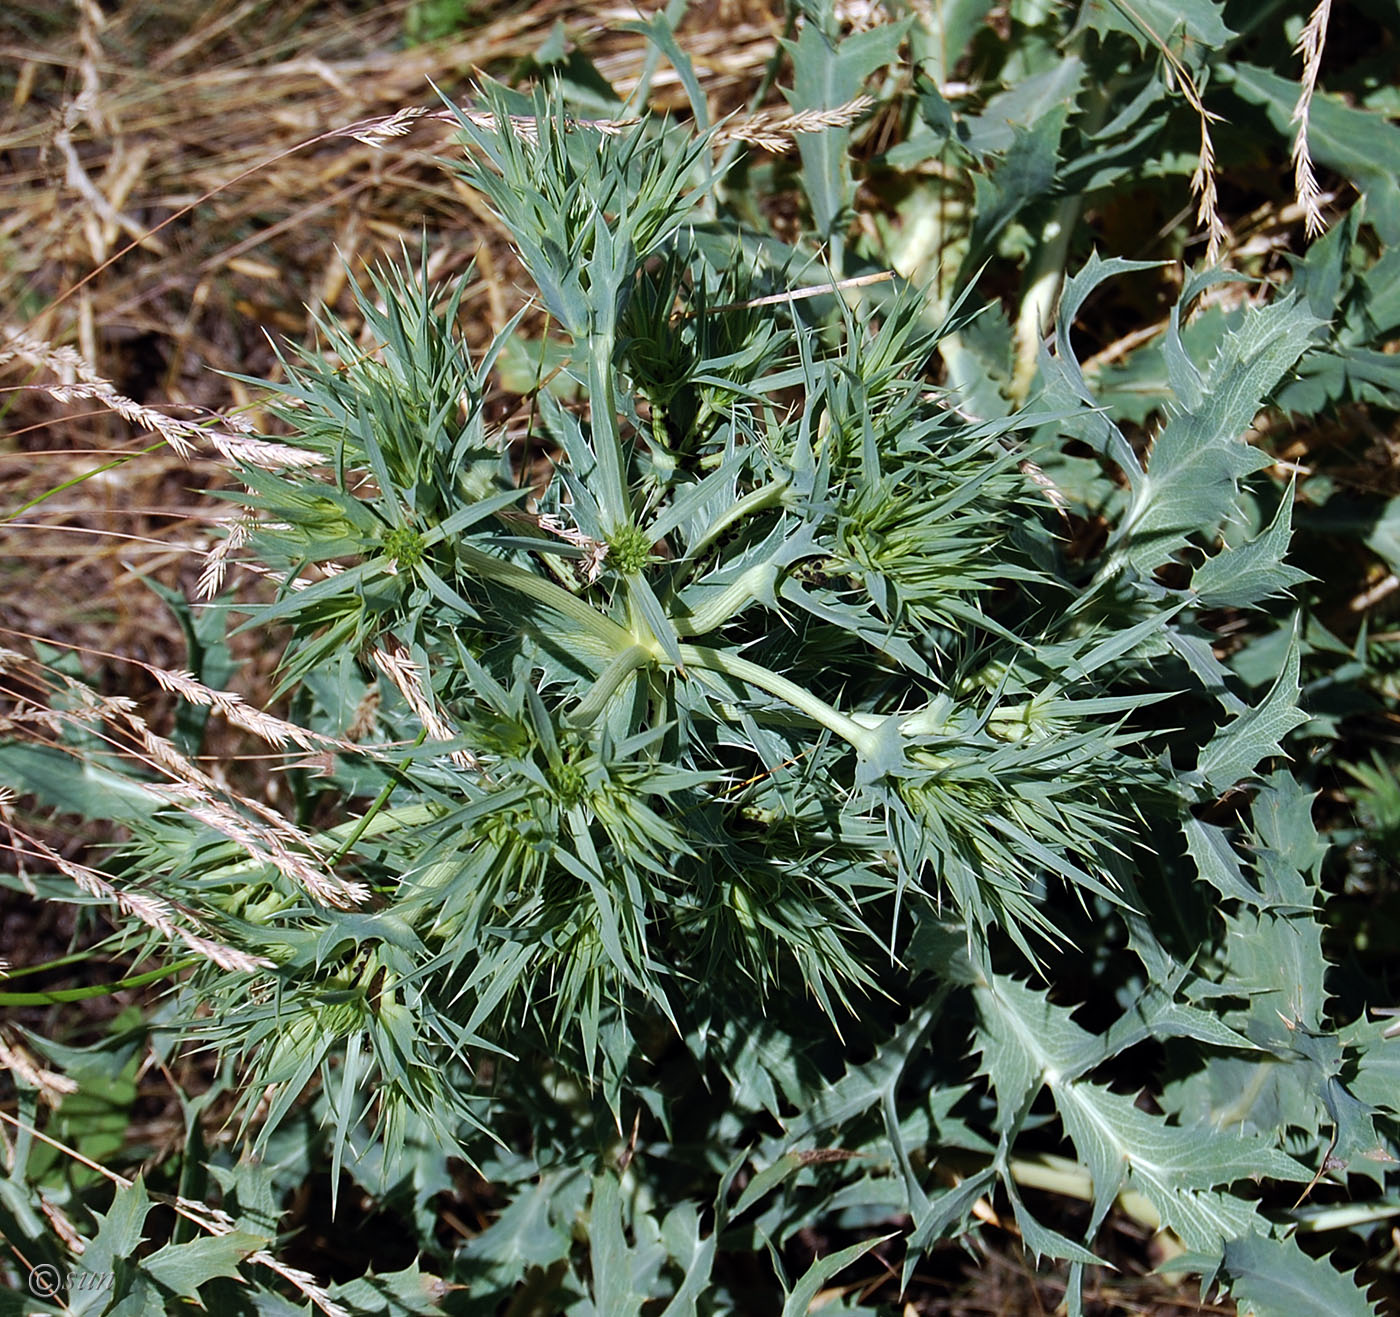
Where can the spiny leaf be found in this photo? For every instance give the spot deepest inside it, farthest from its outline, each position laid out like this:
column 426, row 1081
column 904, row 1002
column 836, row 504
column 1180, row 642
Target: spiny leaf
column 1200, row 456
column 1151, row 23
column 1236, row 750
column 1028, row 1043
column 1275, row 1278
column 411, row 1292
column 184, row 1268
column 827, row 75
column 622, row 1275
column 1251, row 573
column 799, row 1299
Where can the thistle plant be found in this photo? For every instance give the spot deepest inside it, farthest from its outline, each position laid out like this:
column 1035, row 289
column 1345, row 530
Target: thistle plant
column 768, row 673
column 746, row 712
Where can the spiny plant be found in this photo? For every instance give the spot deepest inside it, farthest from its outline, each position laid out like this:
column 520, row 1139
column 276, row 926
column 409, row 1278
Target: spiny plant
column 726, row 706
column 738, row 751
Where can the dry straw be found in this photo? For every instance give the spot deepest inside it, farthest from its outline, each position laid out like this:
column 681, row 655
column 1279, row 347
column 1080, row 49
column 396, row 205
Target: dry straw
column 766, row 130
column 1203, row 186
column 266, row 838
column 78, row 379
column 152, row 911
column 393, row 659
column 20, row 1062
column 1310, row 46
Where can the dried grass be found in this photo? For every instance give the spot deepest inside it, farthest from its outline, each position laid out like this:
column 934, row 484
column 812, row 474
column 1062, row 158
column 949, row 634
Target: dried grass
column 45, row 700
column 395, row 662
column 1311, row 43
column 22, row 1063
column 186, row 187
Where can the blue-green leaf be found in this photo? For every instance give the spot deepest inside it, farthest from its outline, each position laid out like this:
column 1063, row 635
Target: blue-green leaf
column 1236, row 750
column 1251, row 573
column 1275, row 1278
column 799, row 1299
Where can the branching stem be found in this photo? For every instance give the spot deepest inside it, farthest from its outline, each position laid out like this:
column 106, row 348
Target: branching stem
column 731, row 665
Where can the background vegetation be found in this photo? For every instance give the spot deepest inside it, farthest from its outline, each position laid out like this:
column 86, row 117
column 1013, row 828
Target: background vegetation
column 1093, row 508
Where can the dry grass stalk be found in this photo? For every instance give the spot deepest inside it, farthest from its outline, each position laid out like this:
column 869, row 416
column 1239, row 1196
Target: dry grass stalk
column 80, row 380
column 275, row 841
column 19, row 1061
column 1203, row 188
column 215, row 569
column 393, row 659
column 93, row 707
column 378, row 132
column 778, row 132
column 149, row 910
column 1373, row 595
column 1310, row 45
column 595, row 552
column 7, row 798
column 366, row 716
column 267, row 839
column 61, row 1225
column 770, row 131
column 265, row 726
column 326, row 569
column 1203, row 178
column 264, row 847
column 796, row 295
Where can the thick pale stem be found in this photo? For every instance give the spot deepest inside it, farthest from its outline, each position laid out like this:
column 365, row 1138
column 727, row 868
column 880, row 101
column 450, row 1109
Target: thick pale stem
column 613, row 637
column 1038, row 305
column 757, row 500
column 752, row 584
column 614, row 676
column 607, row 441
column 863, row 739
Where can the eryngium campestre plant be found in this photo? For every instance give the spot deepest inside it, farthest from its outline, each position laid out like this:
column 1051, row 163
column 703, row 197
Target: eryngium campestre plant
column 774, row 665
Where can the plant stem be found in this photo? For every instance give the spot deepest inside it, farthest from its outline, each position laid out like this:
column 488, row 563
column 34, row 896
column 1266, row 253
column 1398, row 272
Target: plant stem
column 607, row 442
column 754, row 501
column 731, row 665
column 607, row 685
column 1037, row 307
column 614, row 638
column 382, row 799
column 94, row 989
column 724, row 605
